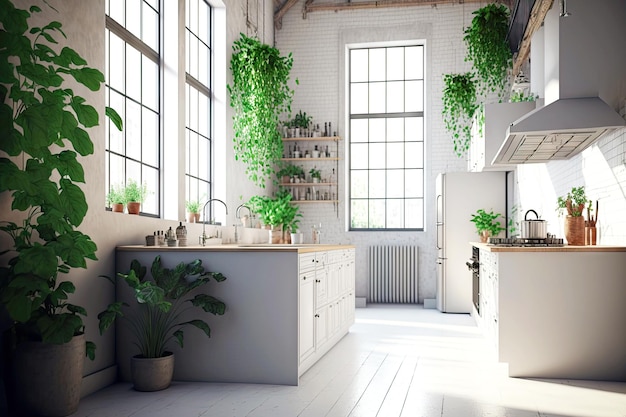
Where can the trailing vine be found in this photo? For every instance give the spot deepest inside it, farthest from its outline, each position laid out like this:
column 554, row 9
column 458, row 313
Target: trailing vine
column 459, row 106
column 259, row 94
column 488, row 48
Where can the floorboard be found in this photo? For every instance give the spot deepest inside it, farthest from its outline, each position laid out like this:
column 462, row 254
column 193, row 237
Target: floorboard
column 397, row 361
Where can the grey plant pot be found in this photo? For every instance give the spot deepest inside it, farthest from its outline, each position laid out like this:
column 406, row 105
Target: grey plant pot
column 48, row 377
column 152, row 374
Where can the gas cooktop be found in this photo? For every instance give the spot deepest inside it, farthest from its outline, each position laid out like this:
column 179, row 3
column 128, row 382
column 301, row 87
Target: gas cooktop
column 518, row 241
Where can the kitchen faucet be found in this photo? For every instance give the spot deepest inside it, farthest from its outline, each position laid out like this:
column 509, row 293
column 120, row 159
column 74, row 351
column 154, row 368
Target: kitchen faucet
column 239, row 218
column 203, row 238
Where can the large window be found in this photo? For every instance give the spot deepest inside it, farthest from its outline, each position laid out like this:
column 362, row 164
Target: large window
column 132, row 74
column 198, row 100
column 386, row 117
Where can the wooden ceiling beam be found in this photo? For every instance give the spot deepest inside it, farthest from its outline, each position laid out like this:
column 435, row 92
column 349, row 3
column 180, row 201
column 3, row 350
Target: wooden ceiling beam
column 310, row 7
column 537, row 15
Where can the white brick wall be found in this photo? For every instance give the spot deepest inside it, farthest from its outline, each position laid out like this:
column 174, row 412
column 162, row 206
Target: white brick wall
column 317, row 44
column 601, row 168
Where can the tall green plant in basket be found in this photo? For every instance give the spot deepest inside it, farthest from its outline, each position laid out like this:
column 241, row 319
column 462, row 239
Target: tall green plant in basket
column 459, row 106
column 260, row 94
column 42, row 131
column 488, row 49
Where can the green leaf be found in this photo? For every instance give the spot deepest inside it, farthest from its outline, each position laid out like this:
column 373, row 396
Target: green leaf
column 90, row 350
column 209, row 304
column 108, row 316
column 87, row 115
column 73, row 201
column 89, row 77
column 13, row 20
column 59, row 328
column 67, row 165
column 114, row 117
column 73, row 247
column 72, row 57
column 61, row 291
column 200, row 324
column 38, row 260
column 81, row 141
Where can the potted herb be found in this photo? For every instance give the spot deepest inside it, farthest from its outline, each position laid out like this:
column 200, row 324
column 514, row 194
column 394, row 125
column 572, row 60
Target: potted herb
column 289, row 171
column 574, row 204
column 134, row 194
column 301, row 121
column 193, row 211
column 44, row 128
column 488, row 49
column 316, row 175
column 459, row 106
column 259, row 94
column 486, row 224
column 116, row 198
column 157, row 318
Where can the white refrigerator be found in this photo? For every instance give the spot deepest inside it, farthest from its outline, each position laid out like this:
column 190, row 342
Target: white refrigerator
column 459, row 195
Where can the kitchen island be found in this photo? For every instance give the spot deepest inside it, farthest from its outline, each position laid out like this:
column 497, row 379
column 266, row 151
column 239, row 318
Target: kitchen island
column 555, row 312
column 286, row 306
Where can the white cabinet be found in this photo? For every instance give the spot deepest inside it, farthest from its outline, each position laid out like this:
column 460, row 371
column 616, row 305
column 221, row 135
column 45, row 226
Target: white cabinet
column 327, row 307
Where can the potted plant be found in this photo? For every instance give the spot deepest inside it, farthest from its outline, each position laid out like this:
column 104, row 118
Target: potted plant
column 488, row 48
column 289, row 171
column 486, row 224
column 292, row 223
column 574, row 204
column 459, row 106
column 301, row 121
column 193, row 211
column 259, row 94
column 158, row 318
column 134, row 195
column 316, row 175
column 116, row 198
column 43, row 132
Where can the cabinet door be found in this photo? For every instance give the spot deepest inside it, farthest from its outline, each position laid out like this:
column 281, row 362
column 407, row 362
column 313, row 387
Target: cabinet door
column 321, row 327
column 306, row 319
column 321, row 282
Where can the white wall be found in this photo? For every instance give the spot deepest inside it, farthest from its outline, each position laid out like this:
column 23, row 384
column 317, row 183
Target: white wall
column 317, row 44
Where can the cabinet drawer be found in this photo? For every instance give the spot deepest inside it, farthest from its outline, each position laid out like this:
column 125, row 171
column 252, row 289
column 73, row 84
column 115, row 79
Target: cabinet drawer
column 307, row 262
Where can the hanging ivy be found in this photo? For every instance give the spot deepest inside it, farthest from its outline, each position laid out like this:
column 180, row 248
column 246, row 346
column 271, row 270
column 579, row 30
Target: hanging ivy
column 260, row 94
column 488, row 49
column 459, row 106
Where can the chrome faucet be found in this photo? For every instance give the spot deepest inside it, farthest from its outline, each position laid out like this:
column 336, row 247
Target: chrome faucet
column 203, row 238
column 239, row 218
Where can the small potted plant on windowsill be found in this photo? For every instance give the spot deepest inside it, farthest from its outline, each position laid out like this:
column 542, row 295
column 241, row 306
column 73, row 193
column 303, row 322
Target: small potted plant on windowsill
column 134, row 194
column 486, row 224
column 116, row 199
column 193, row 211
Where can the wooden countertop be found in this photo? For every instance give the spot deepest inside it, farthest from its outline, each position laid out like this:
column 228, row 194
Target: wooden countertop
column 252, row 247
column 564, row 248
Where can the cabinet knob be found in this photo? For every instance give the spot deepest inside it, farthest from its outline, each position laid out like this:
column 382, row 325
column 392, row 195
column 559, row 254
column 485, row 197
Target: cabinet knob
column 304, row 277
column 317, row 316
column 317, row 280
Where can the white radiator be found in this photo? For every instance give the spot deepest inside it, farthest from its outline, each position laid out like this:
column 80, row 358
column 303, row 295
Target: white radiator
column 393, row 274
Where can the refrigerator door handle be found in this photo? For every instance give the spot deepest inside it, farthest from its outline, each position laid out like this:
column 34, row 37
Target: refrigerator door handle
column 437, row 202
column 439, row 225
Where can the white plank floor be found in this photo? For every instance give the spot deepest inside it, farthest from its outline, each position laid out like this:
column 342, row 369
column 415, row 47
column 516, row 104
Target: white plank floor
column 397, row 361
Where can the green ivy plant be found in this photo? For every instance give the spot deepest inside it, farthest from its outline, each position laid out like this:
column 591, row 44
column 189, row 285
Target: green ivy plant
column 520, row 96
column 42, row 125
column 488, row 49
column 259, row 94
column 459, row 106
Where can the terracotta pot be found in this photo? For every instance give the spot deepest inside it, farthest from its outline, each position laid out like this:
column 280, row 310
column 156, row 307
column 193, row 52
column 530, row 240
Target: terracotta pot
column 193, row 217
column 484, row 236
column 117, row 207
column 133, row 207
column 152, row 374
column 48, row 376
column 575, row 230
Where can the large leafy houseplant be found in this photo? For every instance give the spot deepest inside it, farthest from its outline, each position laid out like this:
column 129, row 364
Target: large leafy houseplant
column 459, row 106
column 486, row 223
column 488, row 49
column 259, row 94
column 42, row 125
column 162, row 301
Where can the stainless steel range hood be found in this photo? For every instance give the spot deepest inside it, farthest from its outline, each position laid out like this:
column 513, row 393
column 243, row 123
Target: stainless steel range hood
column 581, row 63
column 557, row 131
